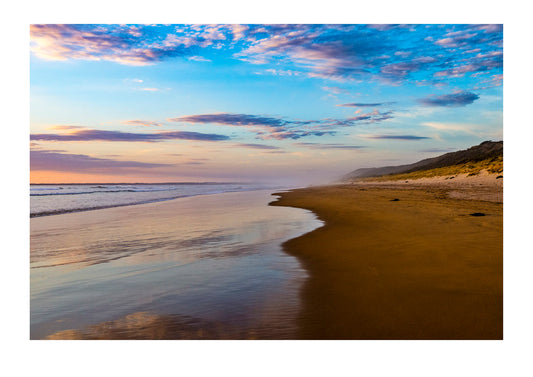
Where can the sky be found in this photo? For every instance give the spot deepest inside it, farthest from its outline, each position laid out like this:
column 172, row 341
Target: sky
column 294, row 104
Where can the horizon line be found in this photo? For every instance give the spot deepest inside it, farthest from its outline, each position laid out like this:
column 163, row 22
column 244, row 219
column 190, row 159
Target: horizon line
column 138, row 183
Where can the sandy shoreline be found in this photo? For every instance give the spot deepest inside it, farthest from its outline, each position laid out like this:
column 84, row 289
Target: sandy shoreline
column 400, row 260
column 394, row 260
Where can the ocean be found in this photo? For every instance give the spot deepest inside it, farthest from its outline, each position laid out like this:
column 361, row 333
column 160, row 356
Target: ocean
column 197, row 267
column 64, row 198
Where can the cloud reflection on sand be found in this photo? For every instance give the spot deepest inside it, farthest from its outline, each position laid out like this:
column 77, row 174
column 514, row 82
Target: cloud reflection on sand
column 145, row 325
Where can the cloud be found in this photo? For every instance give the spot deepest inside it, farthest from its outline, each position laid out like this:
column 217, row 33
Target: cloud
column 282, row 72
column 118, row 43
column 487, row 62
column 230, row 119
column 198, row 59
column 128, row 44
column 292, row 134
column 59, row 161
column 382, row 27
column 238, row 31
column 461, row 127
column 265, row 127
column 396, row 137
column 388, row 53
column 489, row 28
column 491, row 82
column 145, row 123
column 365, row 104
column 399, row 71
column 329, row 146
column 257, row 146
column 456, row 99
column 102, row 135
column 63, row 127
column 391, row 54
column 276, row 128
column 336, row 90
column 372, row 117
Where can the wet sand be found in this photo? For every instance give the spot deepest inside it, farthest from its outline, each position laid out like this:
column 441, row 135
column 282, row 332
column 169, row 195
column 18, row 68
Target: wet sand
column 401, row 261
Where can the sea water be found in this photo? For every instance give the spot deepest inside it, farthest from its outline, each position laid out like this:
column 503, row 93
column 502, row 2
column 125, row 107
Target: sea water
column 57, row 199
column 197, row 267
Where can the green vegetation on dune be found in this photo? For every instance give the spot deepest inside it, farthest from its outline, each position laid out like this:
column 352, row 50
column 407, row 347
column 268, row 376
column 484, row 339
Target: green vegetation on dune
column 491, row 165
column 486, row 156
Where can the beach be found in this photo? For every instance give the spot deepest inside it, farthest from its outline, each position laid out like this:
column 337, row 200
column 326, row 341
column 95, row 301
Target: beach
column 367, row 260
column 200, row 267
column 402, row 260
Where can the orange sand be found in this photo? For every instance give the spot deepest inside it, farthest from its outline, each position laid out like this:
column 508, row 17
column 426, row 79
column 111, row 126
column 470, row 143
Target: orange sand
column 417, row 268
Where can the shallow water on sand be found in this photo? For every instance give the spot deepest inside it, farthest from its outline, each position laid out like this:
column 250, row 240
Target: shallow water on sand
column 208, row 267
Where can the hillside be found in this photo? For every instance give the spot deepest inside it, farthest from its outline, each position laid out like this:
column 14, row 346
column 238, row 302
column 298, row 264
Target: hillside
column 485, row 156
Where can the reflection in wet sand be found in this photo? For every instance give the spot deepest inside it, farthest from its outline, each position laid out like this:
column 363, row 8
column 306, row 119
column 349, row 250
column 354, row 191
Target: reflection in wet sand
column 211, row 260
column 144, row 326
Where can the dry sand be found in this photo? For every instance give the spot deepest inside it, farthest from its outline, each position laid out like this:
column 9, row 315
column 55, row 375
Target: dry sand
column 484, row 186
column 400, row 260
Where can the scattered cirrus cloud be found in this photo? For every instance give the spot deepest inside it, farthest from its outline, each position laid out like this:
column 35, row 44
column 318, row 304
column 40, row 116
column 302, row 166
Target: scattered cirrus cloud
column 461, row 98
column 279, row 72
column 277, row 128
column 336, row 90
column 119, row 43
column 59, row 161
column 265, row 127
column 145, row 123
column 389, row 53
column 198, row 59
column 372, row 117
column 103, row 135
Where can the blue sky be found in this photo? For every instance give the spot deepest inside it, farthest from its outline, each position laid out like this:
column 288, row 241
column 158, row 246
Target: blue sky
column 292, row 103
